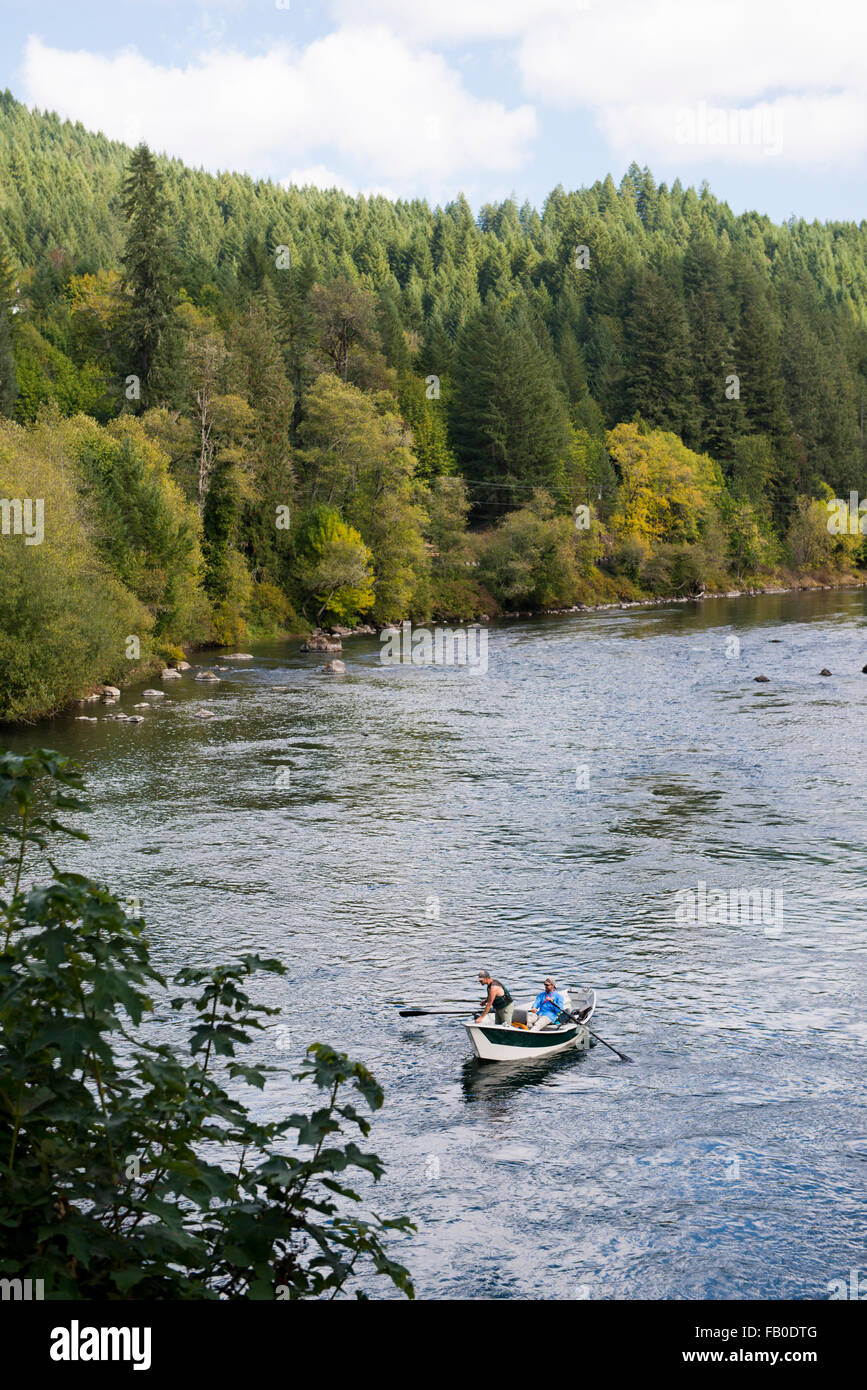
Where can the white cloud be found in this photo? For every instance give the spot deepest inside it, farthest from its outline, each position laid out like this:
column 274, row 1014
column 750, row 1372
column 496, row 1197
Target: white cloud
column 458, row 21
column 637, row 65
column 318, row 176
column 360, row 94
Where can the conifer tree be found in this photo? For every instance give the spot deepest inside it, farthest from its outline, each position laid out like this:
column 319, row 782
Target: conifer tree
column 509, row 423
column 148, row 270
column 660, row 377
column 8, row 293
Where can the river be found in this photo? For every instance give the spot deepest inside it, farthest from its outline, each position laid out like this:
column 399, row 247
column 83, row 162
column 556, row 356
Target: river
column 388, row 832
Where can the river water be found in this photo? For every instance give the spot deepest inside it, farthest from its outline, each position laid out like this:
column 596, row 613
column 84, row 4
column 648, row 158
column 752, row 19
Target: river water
column 388, row 832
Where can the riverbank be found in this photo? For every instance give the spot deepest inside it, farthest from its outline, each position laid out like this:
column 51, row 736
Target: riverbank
column 805, row 584
column 656, row 601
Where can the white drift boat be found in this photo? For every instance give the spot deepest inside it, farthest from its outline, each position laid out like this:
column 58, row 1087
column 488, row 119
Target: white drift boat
column 521, row 1039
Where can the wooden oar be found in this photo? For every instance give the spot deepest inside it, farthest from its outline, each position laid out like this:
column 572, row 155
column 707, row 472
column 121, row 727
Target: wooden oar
column 461, row 1013
column 576, row 1018
column 422, row 1013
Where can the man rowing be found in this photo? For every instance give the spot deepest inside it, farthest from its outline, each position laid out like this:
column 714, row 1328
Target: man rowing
column 498, row 998
column 548, row 1005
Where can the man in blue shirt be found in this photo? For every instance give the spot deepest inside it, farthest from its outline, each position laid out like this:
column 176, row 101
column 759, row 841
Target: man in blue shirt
column 547, row 1005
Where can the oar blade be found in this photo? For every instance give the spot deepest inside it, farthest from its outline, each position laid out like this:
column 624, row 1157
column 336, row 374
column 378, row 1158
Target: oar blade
column 442, row 1013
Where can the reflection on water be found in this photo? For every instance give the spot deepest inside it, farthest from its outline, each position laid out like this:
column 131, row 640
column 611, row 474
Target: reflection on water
column 496, row 1083
column 387, row 833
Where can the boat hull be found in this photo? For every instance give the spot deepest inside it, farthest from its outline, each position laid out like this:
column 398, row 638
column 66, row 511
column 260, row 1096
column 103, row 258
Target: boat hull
column 502, row 1043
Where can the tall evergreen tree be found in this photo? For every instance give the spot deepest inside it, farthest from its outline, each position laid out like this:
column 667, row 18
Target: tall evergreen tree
column 660, row 376
column 148, row 266
column 509, row 423
column 8, row 294
column 759, row 369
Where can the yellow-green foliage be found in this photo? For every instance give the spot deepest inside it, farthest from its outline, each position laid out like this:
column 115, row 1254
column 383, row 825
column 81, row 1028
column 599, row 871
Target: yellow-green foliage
column 357, row 457
column 141, row 523
column 229, row 614
column 46, row 374
column 270, row 610
column 811, row 543
column 536, row 558
column 65, row 619
column 335, row 569
column 667, row 492
column 169, row 652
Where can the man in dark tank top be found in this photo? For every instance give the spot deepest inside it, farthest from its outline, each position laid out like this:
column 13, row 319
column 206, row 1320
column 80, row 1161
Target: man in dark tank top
column 499, row 999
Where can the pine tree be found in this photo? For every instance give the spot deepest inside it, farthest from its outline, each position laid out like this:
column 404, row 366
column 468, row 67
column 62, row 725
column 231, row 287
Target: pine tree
column 260, row 376
column 759, row 370
column 423, row 407
column 8, row 294
column 719, row 417
column 660, row 376
column 508, row 422
column 148, row 270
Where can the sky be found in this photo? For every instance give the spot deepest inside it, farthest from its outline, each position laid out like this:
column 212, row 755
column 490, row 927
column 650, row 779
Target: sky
column 764, row 99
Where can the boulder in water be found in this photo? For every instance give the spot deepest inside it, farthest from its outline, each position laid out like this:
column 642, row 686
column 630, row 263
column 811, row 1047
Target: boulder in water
column 762, row 679
column 170, row 675
column 239, row 656
column 321, row 642
column 335, row 668
column 207, row 676
column 824, row 671
column 112, row 691
column 154, row 694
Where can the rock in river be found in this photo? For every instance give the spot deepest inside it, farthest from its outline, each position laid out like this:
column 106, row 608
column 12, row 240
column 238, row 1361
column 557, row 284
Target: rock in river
column 321, row 642
column 335, row 668
column 763, row 679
